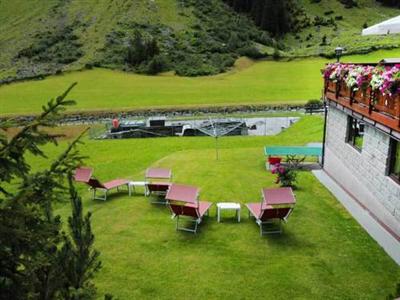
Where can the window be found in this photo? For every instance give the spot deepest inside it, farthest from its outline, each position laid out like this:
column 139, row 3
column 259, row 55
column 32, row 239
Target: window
column 355, row 133
column 394, row 160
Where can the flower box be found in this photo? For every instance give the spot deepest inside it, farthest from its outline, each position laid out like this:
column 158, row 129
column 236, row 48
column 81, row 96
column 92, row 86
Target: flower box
column 331, row 86
column 344, row 90
column 387, row 104
column 378, row 90
column 362, row 96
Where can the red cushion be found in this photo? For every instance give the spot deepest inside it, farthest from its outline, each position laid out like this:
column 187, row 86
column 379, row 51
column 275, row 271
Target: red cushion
column 274, row 160
column 115, row 183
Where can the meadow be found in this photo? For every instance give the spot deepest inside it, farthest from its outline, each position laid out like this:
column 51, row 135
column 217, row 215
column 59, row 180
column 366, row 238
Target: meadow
column 265, row 82
column 322, row 254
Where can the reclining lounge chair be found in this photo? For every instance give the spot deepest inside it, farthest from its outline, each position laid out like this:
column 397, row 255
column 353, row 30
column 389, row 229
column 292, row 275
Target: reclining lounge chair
column 276, row 205
column 85, row 175
column 154, row 185
column 183, row 202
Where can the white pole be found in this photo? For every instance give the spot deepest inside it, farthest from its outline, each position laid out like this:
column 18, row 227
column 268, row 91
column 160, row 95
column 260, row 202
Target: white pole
column 216, row 147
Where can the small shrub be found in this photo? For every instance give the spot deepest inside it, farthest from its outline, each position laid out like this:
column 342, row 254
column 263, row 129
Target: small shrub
column 338, row 18
column 314, row 103
column 286, row 176
column 156, row 65
column 222, row 61
column 140, row 49
column 252, row 52
column 276, row 55
column 323, row 21
column 324, row 41
column 349, row 3
column 280, row 45
column 328, row 12
column 265, row 39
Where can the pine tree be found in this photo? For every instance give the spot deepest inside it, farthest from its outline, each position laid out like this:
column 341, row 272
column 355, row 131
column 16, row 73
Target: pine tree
column 136, row 49
column 151, row 49
column 269, row 17
column 30, row 235
column 140, row 49
column 256, row 11
column 78, row 258
column 233, row 42
column 274, row 16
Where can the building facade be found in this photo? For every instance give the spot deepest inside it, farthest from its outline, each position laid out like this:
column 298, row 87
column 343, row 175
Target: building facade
column 362, row 154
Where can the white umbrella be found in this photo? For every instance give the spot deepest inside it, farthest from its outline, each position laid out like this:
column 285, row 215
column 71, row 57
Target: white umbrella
column 390, row 26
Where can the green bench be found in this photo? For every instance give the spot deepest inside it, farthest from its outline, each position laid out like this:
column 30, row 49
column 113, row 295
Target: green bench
column 295, row 155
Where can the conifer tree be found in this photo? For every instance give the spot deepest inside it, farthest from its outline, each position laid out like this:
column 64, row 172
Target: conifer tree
column 274, row 16
column 30, row 235
column 79, row 260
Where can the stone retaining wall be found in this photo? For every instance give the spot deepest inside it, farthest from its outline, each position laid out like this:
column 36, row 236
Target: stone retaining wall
column 106, row 116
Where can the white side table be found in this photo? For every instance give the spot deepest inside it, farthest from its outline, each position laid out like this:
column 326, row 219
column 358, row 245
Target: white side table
column 228, row 206
column 133, row 184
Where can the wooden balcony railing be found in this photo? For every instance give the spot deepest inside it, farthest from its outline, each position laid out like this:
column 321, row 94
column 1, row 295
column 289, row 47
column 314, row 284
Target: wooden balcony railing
column 380, row 108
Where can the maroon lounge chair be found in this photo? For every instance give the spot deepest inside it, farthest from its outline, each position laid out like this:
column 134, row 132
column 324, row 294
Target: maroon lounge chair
column 85, row 175
column 276, row 205
column 183, row 202
column 154, row 186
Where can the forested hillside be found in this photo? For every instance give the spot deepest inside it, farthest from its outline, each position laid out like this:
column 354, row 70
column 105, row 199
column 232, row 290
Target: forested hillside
column 188, row 37
column 394, row 3
column 316, row 27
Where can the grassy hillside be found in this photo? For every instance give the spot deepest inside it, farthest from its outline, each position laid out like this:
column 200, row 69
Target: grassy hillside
column 20, row 20
column 187, row 34
column 346, row 30
column 194, row 37
column 264, row 82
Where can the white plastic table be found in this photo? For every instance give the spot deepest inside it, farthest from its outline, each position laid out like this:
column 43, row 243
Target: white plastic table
column 133, row 184
column 228, row 206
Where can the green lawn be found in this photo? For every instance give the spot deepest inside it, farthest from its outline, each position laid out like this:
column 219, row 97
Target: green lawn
column 322, row 254
column 100, row 89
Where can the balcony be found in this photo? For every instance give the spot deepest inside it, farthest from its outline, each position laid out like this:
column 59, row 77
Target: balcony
column 373, row 104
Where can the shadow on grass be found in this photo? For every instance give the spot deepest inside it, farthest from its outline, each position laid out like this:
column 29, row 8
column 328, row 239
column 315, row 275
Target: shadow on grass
column 187, row 236
column 111, row 198
column 157, row 202
column 288, row 239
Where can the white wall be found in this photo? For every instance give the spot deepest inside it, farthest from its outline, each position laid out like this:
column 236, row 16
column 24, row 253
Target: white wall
column 363, row 173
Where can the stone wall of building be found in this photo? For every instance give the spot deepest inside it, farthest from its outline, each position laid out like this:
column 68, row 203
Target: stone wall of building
column 362, row 173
